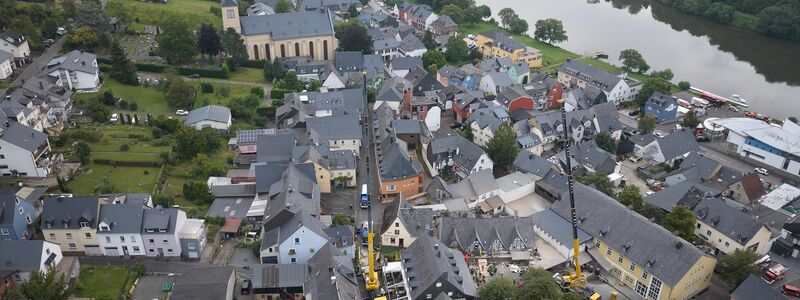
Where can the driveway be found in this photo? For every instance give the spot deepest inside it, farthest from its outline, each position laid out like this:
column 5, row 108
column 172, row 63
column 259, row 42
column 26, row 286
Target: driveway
column 628, row 170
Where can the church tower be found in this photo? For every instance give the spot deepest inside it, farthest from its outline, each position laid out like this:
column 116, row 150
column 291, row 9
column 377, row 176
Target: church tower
column 230, row 15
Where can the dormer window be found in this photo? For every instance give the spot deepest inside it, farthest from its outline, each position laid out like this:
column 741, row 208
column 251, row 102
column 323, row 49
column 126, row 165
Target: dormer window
column 104, row 228
column 162, row 230
column 151, row 230
column 84, row 224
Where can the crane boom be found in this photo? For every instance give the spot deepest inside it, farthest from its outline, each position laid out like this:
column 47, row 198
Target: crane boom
column 372, row 283
column 577, row 279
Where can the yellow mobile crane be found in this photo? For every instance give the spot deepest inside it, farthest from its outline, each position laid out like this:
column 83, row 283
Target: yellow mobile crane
column 577, row 279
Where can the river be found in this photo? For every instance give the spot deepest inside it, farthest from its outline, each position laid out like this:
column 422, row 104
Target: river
column 721, row 59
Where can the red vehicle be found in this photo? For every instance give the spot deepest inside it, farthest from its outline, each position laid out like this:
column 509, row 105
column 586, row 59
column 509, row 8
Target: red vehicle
column 790, row 290
column 774, row 273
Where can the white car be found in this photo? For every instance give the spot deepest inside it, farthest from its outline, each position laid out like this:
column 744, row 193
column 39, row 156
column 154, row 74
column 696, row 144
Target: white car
column 762, row 171
column 114, row 118
column 181, row 112
column 61, row 31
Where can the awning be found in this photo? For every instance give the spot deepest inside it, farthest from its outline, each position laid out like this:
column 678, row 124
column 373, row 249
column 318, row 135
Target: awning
column 231, row 225
column 598, row 257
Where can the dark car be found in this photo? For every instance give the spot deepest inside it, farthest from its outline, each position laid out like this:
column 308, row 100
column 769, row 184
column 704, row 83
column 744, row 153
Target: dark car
column 702, row 138
column 455, row 125
column 246, row 287
column 633, row 113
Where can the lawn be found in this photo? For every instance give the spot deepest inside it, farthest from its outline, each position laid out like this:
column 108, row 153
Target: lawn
column 101, row 282
column 211, row 98
column 252, row 75
column 123, row 179
column 195, row 12
column 551, row 54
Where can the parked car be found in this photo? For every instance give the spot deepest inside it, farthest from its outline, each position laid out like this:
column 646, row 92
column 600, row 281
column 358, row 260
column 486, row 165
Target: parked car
column 790, row 290
column 762, row 171
column 702, row 138
column 246, row 287
column 48, row 42
column 634, row 113
column 181, row 112
column 658, row 134
column 61, row 31
column 114, row 118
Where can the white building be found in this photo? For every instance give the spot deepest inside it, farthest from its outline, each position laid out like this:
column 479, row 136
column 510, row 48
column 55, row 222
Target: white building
column 160, row 231
column 778, row 147
column 25, row 256
column 16, row 44
column 23, row 151
column 210, row 116
column 120, row 229
column 617, row 87
column 193, row 238
column 6, row 63
column 294, row 241
column 77, row 70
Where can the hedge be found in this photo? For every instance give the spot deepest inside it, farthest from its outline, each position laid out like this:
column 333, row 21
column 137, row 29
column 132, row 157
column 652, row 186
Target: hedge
column 132, row 163
column 258, row 64
column 278, row 94
column 153, row 68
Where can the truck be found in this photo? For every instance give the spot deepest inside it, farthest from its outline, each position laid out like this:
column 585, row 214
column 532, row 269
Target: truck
column 700, row 102
column 364, row 200
column 774, row 273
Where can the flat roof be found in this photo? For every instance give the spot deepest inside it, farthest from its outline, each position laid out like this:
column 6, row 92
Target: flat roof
column 780, row 197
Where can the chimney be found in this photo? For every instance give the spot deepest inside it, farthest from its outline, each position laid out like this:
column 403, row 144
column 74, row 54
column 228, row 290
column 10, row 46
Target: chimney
column 41, row 85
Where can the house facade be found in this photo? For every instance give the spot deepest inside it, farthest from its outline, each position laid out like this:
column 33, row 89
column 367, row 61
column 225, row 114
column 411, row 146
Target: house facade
column 77, row 70
column 15, row 43
column 72, row 223
column 192, row 238
column 15, row 216
column 618, row 88
column 403, row 225
column 759, row 141
column 663, row 107
column 498, row 44
column 727, row 229
column 120, row 229
column 24, row 151
column 6, row 63
column 24, row 257
column 160, row 231
column 210, row 116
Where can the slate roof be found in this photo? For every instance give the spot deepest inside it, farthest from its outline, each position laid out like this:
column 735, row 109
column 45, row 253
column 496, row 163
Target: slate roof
column 589, row 155
column 463, row 232
column 663, row 102
column 277, row 235
column 331, row 276
column 75, row 60
column 13, row 37
column 59, row 212
column 386, row 43
column 202, row 283
column 411, row 43
column 406, row 63
column 443, row 21
column 686, row 193
column 558, row 227
column 442, row 148
column 341, row 236
column 599, row 78
column 297, row 188
column 392, row 89
column 333, row 128
column 214, row 113
column 290, row 25
column 407, row 126
column 22, row 136
column 275, row 148
column 348, row 61
column 122, row 218
column 228, row 3
column 500, row 79
column 755, row 288
column 678, row 143
column 228, row 207
column 339, row 103
column 267, row 175
column 642, row 139
column 491, row 117
column 4, row 56
column 427, row 260
column 279, row 275
column 373, row 64
column 395, row 164
column 342, row 160
column 22, row 255
column 650, row 246
column 531, row 163
column 160, row 218
column 731, row 222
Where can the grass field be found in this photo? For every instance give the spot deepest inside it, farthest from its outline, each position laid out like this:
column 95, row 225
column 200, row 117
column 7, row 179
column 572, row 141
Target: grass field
column 212, row 98
column 551, row 54
column 123, row 179
column 101, row 282
column 247, row 75
column 195, row 12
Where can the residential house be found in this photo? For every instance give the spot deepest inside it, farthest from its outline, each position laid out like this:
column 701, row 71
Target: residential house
column 421, row 81
column 494, row 82
column 21, row 258
column 557, row 232
column 515, row 97
column 484, row 122
column 788, row 244
column 550, row 127
column 260, row 9
column 663, row 107
column 677, row 145
column 424, row 108
column 433, row 270
column 120, row 229
column 6, row 63
column 291, row 34
column 402, row 225
column 271, row 281
column 496, row 237
column 77, row 70
column 72, row 224
column 465, row 104
column 753, row 287
column 401, row 65
column 545, row 91
column 420, row 16
column 376, row 19
column 606, row 119
column 16, row 217
column 650, row 260
column 400, row 173
column 161, row 231
column 467, row 77
column 275, row 148
column 552, row 185
column 747, row 190
column 519, row 73
column 687, row 194
column 193, row 238
column 342, row 239
column 456, row 155
column 291, row 236
column 298, row 107
column 338, row 133
column 444, row 25
column 412, row 46
column 531, row 164
column 307, row 68
column 591, row 159
column 759, row 141
column 414, row 132
column 726, row 228
column 387, row 47
column 40, row 103
column 498, row 44
column 209, row 116
column 333, row 5
column 618, row 88
column 24, row 151
column 17, row 44
column 331, row 276
column 393, row 91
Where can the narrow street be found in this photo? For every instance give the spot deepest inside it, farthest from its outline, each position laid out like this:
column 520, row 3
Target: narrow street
column 37, row 64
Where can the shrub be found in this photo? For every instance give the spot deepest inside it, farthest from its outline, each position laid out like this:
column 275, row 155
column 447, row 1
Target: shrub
column 133, row 106
column 277, row 93
column 123, row 104
column 206, row 87
column 124, row 147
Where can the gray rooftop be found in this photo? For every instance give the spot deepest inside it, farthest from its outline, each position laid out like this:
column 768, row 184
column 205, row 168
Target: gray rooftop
column 290, row 25
column 214, row 113
column 267, row 175
column 731, row 222
column 275, row 148
column 333, row 128
column 22, row 136
column 685, row 193
column 531, row 163
column 75, row 60
column 462, row 233
column 279, row 275
column 348, row 61
column 203, row 283
column 22, row 255
column 411, row 43
column 160, row 219
column 331, row 276
column 755, row 288
column 599, row 78
column 122, row 218
column 4, row 56
column 405, row 63
column 678, row 143
column 442, row 148
column 428, row 260
column 68, row 213
column 230, row 207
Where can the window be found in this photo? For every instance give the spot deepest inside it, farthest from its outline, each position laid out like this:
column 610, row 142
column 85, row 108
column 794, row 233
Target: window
column 325, row 50
column 73, row 246
column 136, row 249
column 84, row 224
column 698, row 225
column 28, row 218
column 608, row 252
column 297, row 240
column 269, row 249
column 397, row 232
column 4, row 231
column 103, row 228
column 311, row 250
column 169, row 250
column 292, row 251
column 47, row 251
column 152, row 241
column 21, row 211
column 133, row 239
column 122, row 239
column 293, row 260
column 230, row 14
column 727, row 244
column 633, row 267
column 655, row 288
column 88, row 235
column 597, row 244
column 311, row 49
column 641, row 289
column 391, row 241
column 166, row 241
column 108, row 239
column 151, row 250
column 296, row 49
column 396, row 224
column 644, row 274
column 69, row 235
column 255, row 51
column 2, row 156
column 428, row 296
column 191, row 246
column 620, row 258
column 708, row 232
column 438, row 284
column 391, row 187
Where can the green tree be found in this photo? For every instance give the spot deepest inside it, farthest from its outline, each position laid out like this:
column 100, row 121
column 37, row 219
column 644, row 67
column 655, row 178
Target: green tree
column 473, row 14
column 550, row 30
column 690, row 120
column 506, row 16
column 352, row 11
column 793, row 119
column 107, row 98
column 83, row 37
column 283, row 6
column 163, row 200
column 428, row 40
column 99, row 112
column 197, row 192
column 43, row 285
column 605, row 142
column 290, row 82
column 633, row 61
column 341, row 219
column 278, row 71
column 735, row 267
column 666, row 74
column 208, row 41
column 89, row 13
column 600, row 182
column 123, row 70
column 83, row 150
column 780, row 21
column 353, row 36
column 650, row 86
column 180, row 93
column 268, row 76
column 653, row 212
column 314, row 85
column 684, row 85
column 433, row 57
column 62, row 184
column 539, row 288
column 233, row 47
column 188, row 142
column 502, row 147
column 244, row 108
column 631, row 196
column 454, row 12
column 457, row 50
column 647, row 124
column 681, row 220
column 518, row 26
column 498, row 288
column 176, row 43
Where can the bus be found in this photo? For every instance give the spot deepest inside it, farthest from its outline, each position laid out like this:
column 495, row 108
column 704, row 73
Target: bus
column 364, row 196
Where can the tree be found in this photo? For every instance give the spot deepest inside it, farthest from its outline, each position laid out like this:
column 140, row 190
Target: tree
column 353, row 36
column 605, row 142
column 684, row 85
column 653, row 212
column 454, row 12
column 457, row 50
column 433, row 57
column 99, row 112
column 176, row 43
column 518, row 26
column 506, row 16
column 89, row 13
column 233, row 47
column 180, row 93
column 632, row 61
column 278, row 71
column 779, row 21
column 83, row 37
column 473, row 14
column 341, row 219
column 283, row 6
column 486, row 12
column 197, row 192
column 108, row 98
column 43, row 285
column 123, row 70
column 502, row 147
column 208, row 40
column 268, row 76
column 62, row 184
column 188, row 142
column 498, row 288
column 631, row 196
column 290, row 82
column 244, row 108
column 650, row 86
column 539, row 288
column 735, row 267
column 600, row 182
column 666, row 74
column 647, row 124
column 352, row 11
column 428, row 40
column 793, row 119
column 83, row 150
column 550, row 30
column 681, row 220
column 690, row 120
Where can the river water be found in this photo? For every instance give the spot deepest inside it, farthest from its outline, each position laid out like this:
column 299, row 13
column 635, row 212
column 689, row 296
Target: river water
column 721, row 59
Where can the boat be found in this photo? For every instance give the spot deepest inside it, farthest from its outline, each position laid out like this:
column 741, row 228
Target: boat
column 716, row 98
column 738, row 98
